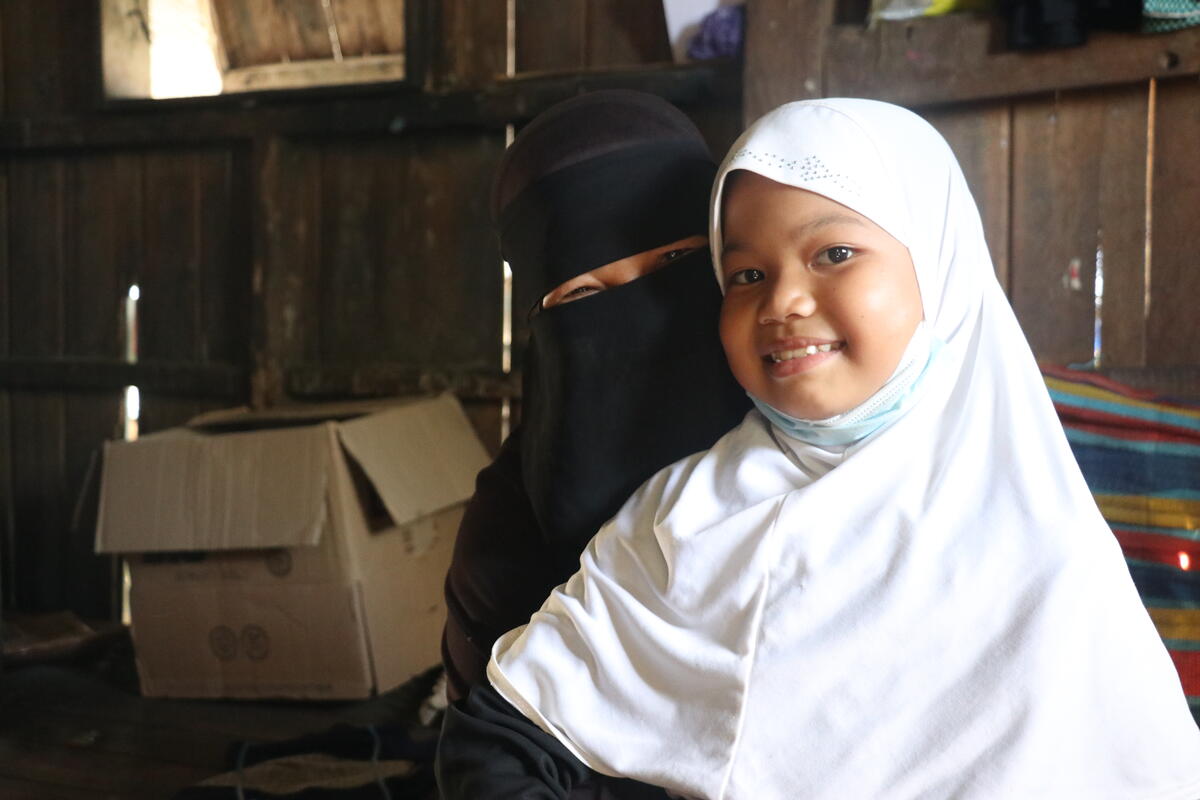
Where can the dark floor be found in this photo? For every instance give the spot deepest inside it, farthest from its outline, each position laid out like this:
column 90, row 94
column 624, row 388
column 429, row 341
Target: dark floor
column 81, row 730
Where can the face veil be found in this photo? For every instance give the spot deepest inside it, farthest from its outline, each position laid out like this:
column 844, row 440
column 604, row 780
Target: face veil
column 618, row 385
column 621, row 383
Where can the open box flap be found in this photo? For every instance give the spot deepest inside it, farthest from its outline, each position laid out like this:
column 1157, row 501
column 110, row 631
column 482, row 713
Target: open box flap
column 421, row 457
column 183, row 490
column 242, row 419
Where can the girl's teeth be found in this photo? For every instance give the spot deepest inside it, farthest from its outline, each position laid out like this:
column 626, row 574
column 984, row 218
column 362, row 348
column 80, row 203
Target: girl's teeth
column 804, row 352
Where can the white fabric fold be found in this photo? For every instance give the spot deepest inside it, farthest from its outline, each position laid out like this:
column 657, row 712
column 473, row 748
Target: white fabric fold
column 938, row 611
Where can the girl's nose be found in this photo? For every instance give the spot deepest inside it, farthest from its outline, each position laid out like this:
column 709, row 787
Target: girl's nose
column 790, row 296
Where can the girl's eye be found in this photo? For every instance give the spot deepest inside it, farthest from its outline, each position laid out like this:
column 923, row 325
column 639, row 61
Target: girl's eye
column 835, row 255
column 744, row 276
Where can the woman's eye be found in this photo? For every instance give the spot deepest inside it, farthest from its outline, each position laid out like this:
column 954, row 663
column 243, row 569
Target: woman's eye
column 835, row 255
column 577, row 292
column 672, row 255
column 744, row 276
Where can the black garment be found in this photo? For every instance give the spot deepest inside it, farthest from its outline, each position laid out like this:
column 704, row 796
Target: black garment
column 490, row 751
column 617, row 386
column 598, row 211
column 504, row 566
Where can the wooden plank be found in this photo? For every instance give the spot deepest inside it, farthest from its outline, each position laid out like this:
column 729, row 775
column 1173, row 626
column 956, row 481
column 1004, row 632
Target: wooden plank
column 1052, row 228
column 366, row 111
column 955, row 58
column 88, row 578
column 224, row 382
column 981, row 137
column 102, row 247
column 51, row 52
column 270, row 32
column 1062, row 200
column 223, row 218
column 228, row 30
column 409, row 267
column 36, row 257
column 785, row 56
column 36, row 274
column 1122, row 234
column 371, row 27
column 3, row 64
column 550, row 35
column 286, row 264
column 40, row 515
column 7, row 530
column 169, row 312
column 8, row 543
column 625, row 32
column 472, row 47
column 1173, row 332
column 315, row 72
column 33, row 71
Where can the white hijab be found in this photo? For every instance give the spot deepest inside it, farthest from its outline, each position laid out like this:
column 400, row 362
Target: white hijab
column 938, row 611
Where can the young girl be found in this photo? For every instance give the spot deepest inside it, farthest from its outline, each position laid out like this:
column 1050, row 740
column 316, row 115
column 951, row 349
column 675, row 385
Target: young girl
column 890, row 581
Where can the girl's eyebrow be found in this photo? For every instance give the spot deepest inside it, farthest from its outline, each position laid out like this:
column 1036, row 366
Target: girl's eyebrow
column 800, row 230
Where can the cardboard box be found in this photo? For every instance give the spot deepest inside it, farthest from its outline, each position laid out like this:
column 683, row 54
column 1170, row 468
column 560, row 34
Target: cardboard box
column 298, row 553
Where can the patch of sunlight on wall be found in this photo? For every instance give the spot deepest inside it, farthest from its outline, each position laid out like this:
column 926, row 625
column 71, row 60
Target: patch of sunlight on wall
column 182, row 49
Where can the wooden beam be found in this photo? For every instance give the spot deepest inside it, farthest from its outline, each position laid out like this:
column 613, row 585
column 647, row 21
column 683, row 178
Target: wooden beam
column 377, row 109
column 189, row 379
column 961, row 57
column 784, row 52
column 315, row 72
column 327, row 381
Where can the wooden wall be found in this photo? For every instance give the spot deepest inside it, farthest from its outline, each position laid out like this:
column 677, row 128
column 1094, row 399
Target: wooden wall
column 289, row 248
column 1095, row 177
column 308, row 246
column 1076, row 158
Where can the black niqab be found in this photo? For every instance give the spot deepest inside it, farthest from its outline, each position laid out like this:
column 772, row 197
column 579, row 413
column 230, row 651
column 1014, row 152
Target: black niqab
column 616, row 385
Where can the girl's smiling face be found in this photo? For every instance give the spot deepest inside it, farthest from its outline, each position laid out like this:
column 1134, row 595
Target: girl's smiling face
column 820, row 302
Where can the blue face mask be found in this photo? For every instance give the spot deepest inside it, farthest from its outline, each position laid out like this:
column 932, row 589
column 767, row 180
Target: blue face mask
column 877, row 411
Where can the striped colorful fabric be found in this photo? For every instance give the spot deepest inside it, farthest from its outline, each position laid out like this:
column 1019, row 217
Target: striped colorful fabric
column 1140, row 455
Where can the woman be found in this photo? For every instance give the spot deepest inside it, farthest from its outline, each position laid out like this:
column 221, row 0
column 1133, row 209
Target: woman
column 602, row 201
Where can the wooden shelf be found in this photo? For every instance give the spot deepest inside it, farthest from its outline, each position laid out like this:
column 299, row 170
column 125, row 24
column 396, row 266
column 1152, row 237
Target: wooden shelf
column 962, row 57
column 380, row 110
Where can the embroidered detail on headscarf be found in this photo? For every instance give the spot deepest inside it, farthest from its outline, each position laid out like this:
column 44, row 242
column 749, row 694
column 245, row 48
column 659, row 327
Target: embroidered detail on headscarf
column 809, row 169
